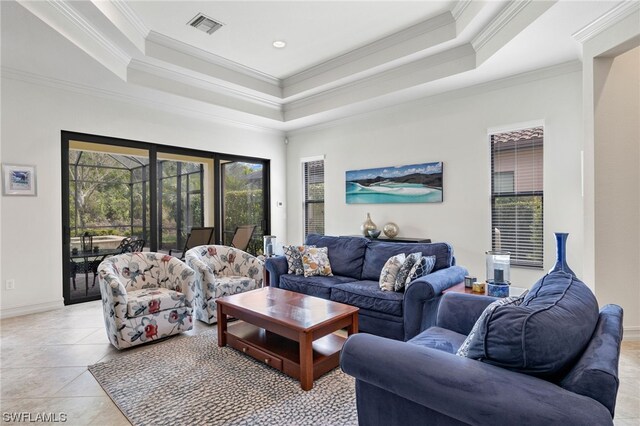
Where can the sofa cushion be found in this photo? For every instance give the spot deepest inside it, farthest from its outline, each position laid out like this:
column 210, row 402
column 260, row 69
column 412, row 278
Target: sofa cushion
column 439, row 338
column 316, row 262
column 367, row 295
column 545, row 334
column 314, row 286
column 153, row 300
column 390, row 271
column 378, row 252
column 346, row 254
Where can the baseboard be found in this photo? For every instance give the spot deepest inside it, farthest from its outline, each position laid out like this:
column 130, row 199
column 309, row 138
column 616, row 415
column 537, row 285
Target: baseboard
column 30, row 309
column 631, row 333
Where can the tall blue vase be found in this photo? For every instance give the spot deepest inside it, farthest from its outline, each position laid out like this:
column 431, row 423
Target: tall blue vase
column 561, row 254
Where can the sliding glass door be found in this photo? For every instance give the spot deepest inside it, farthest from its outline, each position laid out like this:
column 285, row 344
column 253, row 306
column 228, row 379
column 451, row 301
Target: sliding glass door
column 106, row 200
column 185, row 186
column 114, row 189
column 244, row 201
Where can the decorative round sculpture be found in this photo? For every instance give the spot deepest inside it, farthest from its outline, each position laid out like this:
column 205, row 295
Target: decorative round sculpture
column 390, row 230
column 367, row 225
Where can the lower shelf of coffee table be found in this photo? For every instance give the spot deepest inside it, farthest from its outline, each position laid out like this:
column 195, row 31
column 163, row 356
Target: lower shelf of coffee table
column 281, row 353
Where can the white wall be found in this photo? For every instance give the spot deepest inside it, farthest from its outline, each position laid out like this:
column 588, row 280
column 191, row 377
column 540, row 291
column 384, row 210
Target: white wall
column 617, row 184
column 602, row 129
column 453, row 128
column 32, row 118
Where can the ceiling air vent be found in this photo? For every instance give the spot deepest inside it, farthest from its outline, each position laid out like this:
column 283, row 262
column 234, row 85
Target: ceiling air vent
column 204, row 23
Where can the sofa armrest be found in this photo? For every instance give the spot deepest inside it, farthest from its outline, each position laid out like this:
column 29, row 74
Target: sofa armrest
column 467, row 390
column 423, row 290
column 459, row 311
column 276, row 266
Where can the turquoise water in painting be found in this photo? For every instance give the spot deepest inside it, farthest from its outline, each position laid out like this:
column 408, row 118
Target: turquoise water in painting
column 392, row 193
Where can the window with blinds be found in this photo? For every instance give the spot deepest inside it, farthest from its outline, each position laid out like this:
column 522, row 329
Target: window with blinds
column 313, row 175
column 517, row 195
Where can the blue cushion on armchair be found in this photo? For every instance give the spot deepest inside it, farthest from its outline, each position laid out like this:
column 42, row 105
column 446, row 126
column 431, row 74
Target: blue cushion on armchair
column 545, row 334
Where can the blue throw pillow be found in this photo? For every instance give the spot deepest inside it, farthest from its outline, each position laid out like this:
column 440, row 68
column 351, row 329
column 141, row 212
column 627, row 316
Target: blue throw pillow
column 545, row 334
column 422, row 268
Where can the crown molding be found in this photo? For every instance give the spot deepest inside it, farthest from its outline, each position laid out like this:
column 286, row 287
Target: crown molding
column 414, row 39
column 78, row 20
column 511, row 10
column 191, row 87
column 132, row 17
column 61, row 16
column 449, row 62
column 210, row 58
column 170, row 107
column 125, row 20
column 606, row 21
column 447, row 96
column 203, row 83
column 458, row 8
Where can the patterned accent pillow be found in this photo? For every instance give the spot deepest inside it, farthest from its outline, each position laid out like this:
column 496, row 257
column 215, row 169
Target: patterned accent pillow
column 315, row 261
column 293, row 254
column 420, row 269
column 403, row 274
column 390, row 271
column 511, row 300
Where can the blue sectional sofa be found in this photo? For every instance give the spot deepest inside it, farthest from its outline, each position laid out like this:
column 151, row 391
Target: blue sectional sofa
column 553, row 360
column 356, row 263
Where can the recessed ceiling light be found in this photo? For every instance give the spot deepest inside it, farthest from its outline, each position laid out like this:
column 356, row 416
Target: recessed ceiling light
column 279, row 44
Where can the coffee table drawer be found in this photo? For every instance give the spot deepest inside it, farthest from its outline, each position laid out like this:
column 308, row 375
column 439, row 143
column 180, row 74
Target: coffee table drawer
column 255, row 352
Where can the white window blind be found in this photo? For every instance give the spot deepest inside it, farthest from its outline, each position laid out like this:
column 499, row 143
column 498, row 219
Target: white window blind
column 517, row 195
column 313, row 172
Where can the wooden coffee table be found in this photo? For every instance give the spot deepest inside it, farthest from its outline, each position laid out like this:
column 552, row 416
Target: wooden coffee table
column 289, row 331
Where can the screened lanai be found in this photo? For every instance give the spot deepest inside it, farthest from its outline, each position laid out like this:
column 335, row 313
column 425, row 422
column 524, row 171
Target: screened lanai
column 109, row 200
column 109, row 196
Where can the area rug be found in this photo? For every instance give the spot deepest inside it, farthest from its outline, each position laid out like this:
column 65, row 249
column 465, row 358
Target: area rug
column 189, row 380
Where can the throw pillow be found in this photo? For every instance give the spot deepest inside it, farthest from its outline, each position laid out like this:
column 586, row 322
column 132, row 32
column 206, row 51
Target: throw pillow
column 420, row 269
column 293, row 254
column 403, row 274
column 473, row 336
column 315, row 261
column 390, row 271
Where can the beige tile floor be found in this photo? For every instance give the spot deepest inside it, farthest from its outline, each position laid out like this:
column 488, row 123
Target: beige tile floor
column 44, row 358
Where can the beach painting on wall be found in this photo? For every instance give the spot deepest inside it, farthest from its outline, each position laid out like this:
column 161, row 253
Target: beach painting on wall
column 415, row 183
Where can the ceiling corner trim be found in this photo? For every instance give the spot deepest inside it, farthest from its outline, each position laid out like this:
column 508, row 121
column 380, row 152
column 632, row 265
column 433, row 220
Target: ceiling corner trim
column 459, row 7
column 504, row 17
column 63, row 18
column 606, row 21
column 125, row 20
column 132, row 17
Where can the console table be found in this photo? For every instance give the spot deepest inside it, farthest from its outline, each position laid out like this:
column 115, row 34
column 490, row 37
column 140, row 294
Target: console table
column 397, row 239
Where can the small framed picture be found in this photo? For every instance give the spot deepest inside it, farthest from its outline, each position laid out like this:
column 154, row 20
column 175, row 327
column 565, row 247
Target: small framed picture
column 18, row 180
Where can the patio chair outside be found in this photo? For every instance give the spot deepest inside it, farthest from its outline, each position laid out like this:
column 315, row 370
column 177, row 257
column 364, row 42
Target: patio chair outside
column 198, row 236
column 242, row 236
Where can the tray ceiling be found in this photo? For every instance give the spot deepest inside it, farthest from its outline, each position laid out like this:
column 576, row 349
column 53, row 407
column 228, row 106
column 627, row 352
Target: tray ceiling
column 341, row 58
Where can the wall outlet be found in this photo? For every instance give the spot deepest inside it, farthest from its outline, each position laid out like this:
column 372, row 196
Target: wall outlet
column 10, row 284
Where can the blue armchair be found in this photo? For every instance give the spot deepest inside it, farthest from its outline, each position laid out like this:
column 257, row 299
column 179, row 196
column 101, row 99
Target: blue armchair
column 423, row 381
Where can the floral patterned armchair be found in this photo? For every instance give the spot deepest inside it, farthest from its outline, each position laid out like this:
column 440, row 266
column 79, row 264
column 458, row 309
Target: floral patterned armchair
column 221, row 271
column 145, row 297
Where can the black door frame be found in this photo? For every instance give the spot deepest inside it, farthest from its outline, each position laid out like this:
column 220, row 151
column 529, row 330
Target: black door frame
column 218, row 183
column 153, row 150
